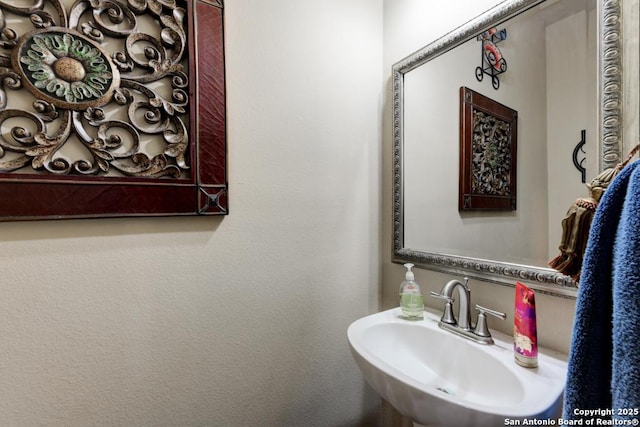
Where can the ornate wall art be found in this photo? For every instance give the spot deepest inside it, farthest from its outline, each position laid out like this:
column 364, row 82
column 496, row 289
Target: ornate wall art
column 112, row 108
column 488, row 141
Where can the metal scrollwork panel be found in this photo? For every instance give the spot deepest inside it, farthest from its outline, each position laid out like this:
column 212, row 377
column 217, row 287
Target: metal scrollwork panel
column 488, row 141
column 111, row 108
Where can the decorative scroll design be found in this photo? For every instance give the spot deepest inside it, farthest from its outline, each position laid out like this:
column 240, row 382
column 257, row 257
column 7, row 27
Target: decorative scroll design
column 490, row 155
column 99, row 81
column 488, row 142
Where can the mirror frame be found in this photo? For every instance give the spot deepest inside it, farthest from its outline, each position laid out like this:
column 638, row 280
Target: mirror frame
column 544, row 280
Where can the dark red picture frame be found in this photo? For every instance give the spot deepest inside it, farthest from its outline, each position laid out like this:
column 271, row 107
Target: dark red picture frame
column 204, row 192
column 488, row 153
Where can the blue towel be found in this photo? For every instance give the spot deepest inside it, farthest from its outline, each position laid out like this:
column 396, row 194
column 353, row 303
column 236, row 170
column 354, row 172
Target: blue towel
column 604, row 358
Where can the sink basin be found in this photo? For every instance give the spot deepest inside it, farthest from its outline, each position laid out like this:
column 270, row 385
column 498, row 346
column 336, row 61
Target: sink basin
column 437, row 378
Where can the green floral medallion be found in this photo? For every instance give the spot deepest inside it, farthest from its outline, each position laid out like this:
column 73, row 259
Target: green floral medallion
column 65, row 68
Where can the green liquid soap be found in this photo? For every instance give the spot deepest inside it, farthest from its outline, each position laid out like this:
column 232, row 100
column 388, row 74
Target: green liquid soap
column 411, row 299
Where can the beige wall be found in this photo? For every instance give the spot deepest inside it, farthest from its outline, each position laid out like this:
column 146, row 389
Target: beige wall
column 571, row 58
column 431, row 134
column 235, row 321
column 241, row 320
column 408, row 26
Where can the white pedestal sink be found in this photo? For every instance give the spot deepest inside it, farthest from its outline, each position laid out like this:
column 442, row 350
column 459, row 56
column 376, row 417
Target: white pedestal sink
column 437, row 378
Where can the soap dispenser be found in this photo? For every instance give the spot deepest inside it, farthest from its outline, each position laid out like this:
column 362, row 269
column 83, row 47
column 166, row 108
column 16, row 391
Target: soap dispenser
column 411, row 299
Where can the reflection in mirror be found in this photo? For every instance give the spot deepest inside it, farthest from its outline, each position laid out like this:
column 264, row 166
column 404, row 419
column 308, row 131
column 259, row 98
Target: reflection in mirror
column 552, row 81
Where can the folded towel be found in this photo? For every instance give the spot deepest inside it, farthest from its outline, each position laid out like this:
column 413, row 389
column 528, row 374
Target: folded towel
column 604, row 358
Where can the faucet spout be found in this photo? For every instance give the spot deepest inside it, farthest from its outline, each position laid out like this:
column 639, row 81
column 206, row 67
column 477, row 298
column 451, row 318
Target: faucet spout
column 463, row 327
column 464, row 293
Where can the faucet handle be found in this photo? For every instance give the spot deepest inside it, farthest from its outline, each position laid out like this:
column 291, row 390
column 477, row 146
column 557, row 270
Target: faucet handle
column 485, row 310
column 447, row 315
column 481, row 326
column 444, row 297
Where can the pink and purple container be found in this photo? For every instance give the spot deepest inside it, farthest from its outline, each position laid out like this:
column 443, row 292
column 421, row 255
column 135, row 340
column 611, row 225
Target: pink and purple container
column 525, row 337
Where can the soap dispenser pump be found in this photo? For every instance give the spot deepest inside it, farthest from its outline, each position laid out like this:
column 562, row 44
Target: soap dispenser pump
column 411, row 299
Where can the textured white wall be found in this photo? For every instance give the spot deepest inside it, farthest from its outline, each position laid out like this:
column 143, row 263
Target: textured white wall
column 408, row 26
column 236, row 321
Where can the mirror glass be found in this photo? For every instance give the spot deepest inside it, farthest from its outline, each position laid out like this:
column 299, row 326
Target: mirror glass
column 540, row 59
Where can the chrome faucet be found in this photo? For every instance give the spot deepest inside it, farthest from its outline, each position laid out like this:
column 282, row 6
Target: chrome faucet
column 462, row 326
column 464, row 313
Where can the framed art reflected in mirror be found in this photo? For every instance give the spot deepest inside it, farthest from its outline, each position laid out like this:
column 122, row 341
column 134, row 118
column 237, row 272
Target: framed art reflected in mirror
column 488, row 153
column 112, row 109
